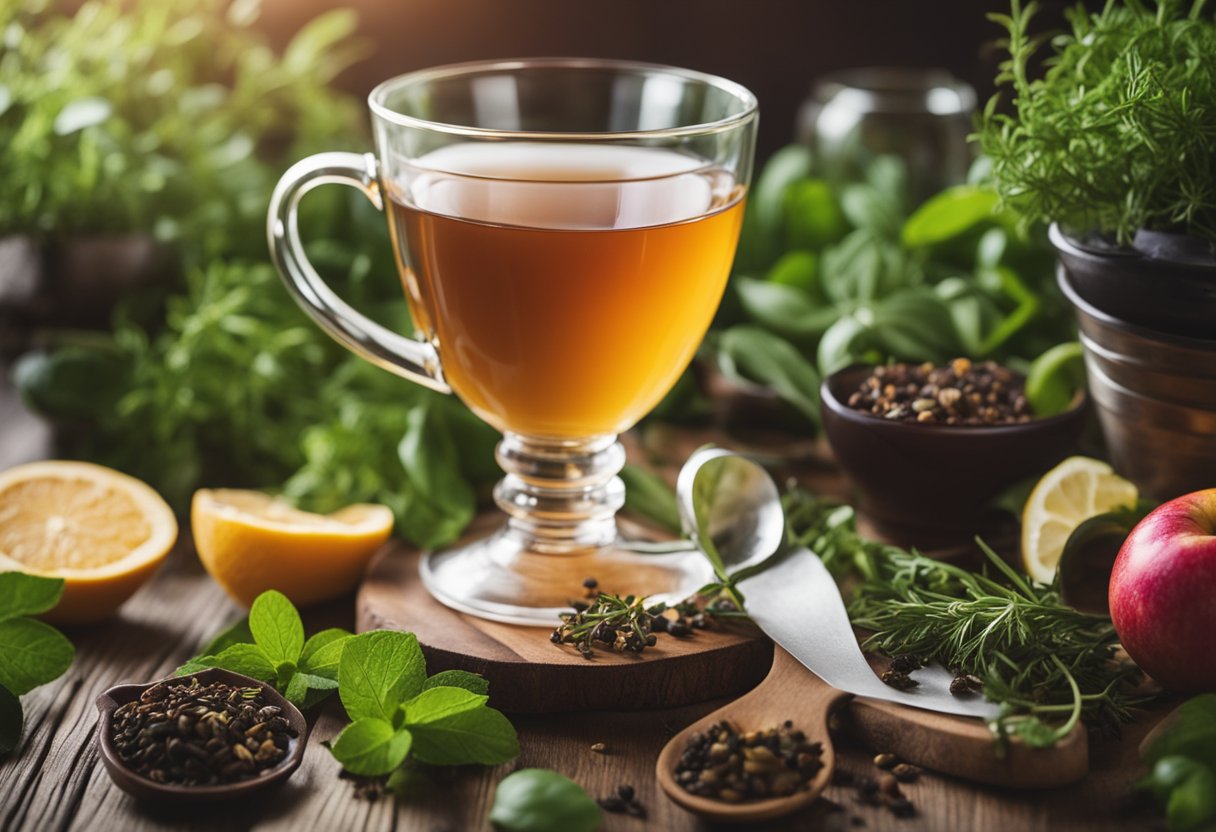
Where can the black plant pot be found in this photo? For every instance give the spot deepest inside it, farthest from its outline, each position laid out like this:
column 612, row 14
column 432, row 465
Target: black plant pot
column 1148, row 326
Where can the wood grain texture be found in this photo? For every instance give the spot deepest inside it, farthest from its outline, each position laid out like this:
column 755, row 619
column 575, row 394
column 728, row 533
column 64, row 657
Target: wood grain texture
column 530, row 674
column 55, row 781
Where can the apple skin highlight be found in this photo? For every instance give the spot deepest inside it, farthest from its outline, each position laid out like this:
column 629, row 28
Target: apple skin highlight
column 1163, row 593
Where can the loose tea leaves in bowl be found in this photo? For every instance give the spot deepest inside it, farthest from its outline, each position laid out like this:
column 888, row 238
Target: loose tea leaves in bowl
column 192, row 734
column 959, row 393
column 723, row 764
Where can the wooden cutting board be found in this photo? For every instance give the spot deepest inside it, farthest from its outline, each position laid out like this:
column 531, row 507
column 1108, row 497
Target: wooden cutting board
column 530, row 674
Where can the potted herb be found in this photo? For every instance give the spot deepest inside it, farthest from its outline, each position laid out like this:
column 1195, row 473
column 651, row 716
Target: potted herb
column 1115, row 143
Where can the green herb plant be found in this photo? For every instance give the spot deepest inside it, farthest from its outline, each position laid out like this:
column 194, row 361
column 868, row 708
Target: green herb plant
column 1181, row 758
column 32, row 652
column 541, row 800
column 1047, row 664
column 270, row 646
column 398, row 713
column 1118, row 133
column 831, row 274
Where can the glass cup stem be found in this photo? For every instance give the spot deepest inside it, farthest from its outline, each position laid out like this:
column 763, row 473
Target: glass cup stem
column 561, row 495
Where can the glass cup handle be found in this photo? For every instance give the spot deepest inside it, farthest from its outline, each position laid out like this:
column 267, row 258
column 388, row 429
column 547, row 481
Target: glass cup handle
column 409, row 358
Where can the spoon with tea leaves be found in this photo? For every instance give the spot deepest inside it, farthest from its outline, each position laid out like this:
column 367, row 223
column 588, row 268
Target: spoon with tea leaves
column 732, row 509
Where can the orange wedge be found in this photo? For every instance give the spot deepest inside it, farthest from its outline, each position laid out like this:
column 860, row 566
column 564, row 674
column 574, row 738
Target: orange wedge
column 103, row 532
column 251, row 542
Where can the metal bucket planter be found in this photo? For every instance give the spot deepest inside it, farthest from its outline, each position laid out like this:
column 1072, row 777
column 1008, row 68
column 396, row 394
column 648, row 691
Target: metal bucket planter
column 1151, row 366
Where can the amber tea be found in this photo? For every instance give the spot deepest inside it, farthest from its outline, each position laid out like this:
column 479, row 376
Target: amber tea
column 566, row 286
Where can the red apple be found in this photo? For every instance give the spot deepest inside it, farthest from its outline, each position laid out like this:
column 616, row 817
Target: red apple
column 1163, row 593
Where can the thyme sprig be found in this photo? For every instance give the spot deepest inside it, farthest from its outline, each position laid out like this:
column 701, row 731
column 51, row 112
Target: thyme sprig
column 1047, row 664
column 1119, row 131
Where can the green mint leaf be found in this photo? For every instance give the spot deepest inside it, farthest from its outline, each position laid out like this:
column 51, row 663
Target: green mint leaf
column 439, row 703
column 196, row 665
column 301, row 685
column 238, row 633
column 31, row 654
column 540, row 800
column 452, row 726
column 323, row 653
column 276, row 626
column 378, row 671
column 246, row 659
column 459, row 679
column 314, row 697
column 22, row 594
column 11, row 720
column 371, row 747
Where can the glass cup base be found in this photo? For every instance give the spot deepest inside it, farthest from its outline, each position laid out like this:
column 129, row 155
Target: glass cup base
column 497, row 577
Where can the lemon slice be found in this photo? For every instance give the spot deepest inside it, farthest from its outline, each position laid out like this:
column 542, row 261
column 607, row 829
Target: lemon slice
column 103, row 532
column 251, row 542
column 1069, row 494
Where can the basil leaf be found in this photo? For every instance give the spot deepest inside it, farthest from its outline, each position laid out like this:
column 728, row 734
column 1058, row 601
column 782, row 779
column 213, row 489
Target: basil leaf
column 760, row 356
column 799, row 270
column 22, row 594
column 371, row 747
column 760, row 240
column 452, row 726
column 472, row 682
column 246, row 659
column 378, row 671
column 1190, row 731
column 948, row 214
column 11, row 720
column 31, row 654
column 237, row 633
column 540, row 800
column 323, row 652
column 276, row 627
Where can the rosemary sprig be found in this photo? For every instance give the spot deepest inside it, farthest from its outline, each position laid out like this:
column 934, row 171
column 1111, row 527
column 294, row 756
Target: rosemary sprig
column 1046, row 663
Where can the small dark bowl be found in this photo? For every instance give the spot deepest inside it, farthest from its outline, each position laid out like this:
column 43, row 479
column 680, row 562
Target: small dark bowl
column 932, row 485
column 142, row 788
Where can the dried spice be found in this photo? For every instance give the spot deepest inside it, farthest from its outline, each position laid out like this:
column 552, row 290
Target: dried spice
column 960, row 393
column 191, row 734
column 623, row 801
column 627, row 624
column 724, row 764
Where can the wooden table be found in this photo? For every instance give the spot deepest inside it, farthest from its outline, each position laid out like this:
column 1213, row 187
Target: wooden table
column 55, row 780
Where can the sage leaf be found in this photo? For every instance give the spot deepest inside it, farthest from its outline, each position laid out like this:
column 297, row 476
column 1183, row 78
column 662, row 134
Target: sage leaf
column 11, row 720
column 371, row 747
column 32, row 653
column 22, row 594
column 459, row 679
column 276, row 627
column 757, row 355
column 378, row 671
column 452, row 726
column 540, row 800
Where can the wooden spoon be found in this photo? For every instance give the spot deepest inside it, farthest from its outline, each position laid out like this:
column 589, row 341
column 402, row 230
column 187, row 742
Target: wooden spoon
column 955, row 745
column 786, row 693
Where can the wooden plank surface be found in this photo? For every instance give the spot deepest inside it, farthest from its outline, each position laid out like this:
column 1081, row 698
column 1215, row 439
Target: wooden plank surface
column 56, row 782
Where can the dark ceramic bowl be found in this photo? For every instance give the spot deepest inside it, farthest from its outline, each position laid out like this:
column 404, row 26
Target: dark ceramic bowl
column 931, row 485
column 1167, row 296
column 142, row 788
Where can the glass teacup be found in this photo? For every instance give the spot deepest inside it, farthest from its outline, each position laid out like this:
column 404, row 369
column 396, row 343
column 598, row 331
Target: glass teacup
column 564, row 231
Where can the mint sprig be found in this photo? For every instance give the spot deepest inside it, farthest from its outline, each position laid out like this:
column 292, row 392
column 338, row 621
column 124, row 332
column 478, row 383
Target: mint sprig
column 399, row 713
column 32, row 652
column 270, row 646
